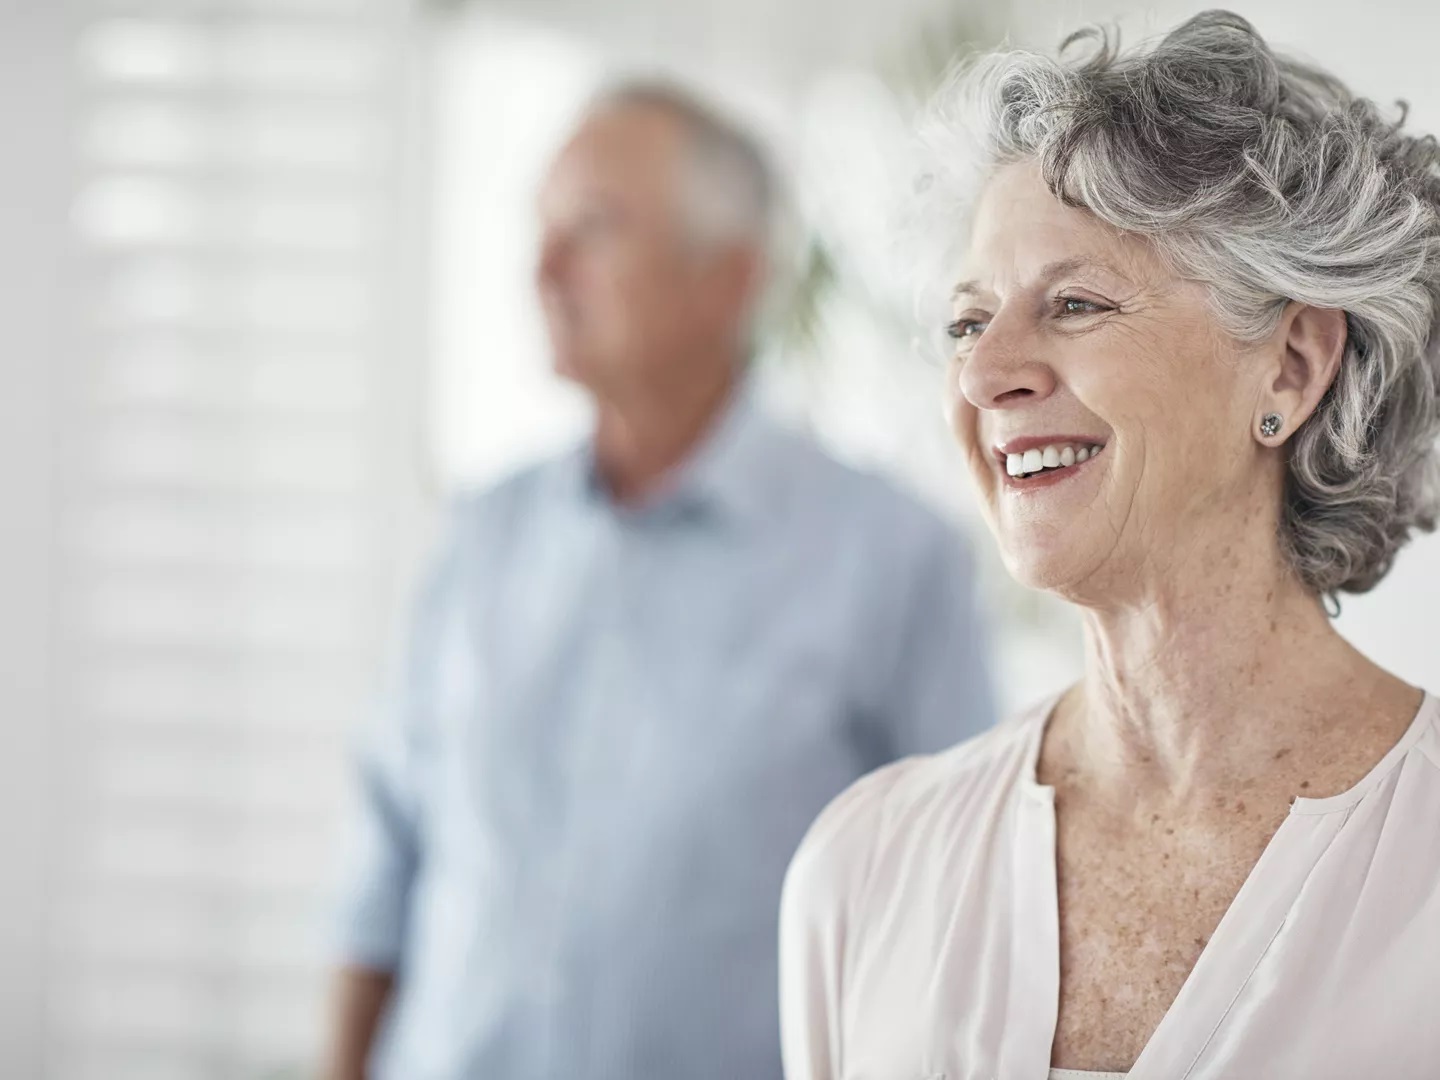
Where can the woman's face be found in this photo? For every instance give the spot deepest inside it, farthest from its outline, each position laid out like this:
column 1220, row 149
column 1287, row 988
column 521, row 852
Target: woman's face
column 1104, row 415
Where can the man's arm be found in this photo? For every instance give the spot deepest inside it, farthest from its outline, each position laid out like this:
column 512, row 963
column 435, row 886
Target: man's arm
column 384, row 841
column 358, row 1000
column 381, row 857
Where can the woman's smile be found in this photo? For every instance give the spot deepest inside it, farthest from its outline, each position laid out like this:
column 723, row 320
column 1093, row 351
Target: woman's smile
column 1037, row 462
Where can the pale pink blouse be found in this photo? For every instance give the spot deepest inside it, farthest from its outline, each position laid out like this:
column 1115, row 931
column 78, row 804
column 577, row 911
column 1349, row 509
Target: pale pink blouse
column 919, row 930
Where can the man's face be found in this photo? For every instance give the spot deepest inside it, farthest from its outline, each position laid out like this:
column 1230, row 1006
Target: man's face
column 626, row 295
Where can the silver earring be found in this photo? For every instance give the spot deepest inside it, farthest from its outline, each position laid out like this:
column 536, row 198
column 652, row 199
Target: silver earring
column 1270, row 424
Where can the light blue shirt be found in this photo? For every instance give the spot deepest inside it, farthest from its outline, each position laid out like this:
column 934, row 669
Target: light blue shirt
column 613, row 728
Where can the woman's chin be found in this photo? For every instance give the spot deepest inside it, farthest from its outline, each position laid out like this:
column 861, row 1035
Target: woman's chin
column 1047, row 570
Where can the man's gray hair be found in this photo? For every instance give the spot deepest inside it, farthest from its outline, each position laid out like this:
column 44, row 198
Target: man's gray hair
column 1267, row 180
column 728, row 191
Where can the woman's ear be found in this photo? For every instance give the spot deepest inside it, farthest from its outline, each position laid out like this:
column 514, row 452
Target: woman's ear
column 1312, row 342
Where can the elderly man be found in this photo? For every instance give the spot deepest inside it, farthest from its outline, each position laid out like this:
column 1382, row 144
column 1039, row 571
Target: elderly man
column 640, row 670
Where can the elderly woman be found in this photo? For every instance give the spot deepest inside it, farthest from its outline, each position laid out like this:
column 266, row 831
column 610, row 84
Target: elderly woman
column 1195, row 380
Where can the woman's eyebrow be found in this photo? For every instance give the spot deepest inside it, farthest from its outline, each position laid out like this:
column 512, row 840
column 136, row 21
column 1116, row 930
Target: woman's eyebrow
column 1048, row 273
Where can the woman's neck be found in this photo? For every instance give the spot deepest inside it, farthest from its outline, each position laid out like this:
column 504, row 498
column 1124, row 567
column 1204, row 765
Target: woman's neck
column 1206, row 688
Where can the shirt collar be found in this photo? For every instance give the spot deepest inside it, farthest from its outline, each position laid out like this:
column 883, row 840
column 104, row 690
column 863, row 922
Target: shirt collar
column 726, row 474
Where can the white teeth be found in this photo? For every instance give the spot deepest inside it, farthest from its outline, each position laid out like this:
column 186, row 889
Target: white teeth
column 1055, row 456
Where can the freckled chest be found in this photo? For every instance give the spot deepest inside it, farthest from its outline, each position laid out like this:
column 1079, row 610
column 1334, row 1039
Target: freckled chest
column 1137, row 908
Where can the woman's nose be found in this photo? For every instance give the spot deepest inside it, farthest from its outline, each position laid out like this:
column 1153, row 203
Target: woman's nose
column 1002, row 369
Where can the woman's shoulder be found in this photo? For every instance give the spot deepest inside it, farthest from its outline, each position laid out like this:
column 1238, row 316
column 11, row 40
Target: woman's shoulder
column 921, row 801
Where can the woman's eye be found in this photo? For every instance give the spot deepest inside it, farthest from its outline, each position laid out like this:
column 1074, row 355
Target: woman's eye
column 965, row 328
column 1073, row 305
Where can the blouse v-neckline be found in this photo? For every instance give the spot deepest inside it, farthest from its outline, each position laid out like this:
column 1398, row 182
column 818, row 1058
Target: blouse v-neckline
column 1245, row 932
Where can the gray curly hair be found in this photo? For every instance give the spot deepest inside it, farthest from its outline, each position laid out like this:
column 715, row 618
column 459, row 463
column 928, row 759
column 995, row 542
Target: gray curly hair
column 1268, row 181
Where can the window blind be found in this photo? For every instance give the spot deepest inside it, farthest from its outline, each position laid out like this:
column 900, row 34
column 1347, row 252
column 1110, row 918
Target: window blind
column 237, row 479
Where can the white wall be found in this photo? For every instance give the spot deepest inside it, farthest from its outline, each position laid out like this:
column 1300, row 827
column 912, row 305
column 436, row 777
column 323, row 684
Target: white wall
column 762, row 42
column 32, row 225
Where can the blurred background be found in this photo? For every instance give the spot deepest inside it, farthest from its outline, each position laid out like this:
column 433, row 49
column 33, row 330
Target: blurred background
column 265, row 276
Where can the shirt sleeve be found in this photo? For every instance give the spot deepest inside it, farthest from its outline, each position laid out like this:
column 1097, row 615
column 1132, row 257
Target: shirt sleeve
column 823, row 886
column 383, row 839
column 937, row 690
